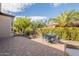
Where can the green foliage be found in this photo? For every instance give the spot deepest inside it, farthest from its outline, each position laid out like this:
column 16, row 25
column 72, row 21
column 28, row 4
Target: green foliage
column 24, row 26
column 38, row 24
column 21, row 24
column 66, row 18
column 65, row 29
column 67, row 33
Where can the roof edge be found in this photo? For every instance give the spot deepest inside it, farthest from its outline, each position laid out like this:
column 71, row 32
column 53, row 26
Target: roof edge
column 6, row 14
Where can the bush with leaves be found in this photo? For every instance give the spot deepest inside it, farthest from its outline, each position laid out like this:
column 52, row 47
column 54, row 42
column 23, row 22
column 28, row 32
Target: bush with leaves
column 21, row 24
column 66, row 33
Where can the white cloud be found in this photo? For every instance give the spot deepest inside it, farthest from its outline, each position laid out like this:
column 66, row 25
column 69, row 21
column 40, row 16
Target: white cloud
column 56, row 4
column 34, row 18
column 14, row 7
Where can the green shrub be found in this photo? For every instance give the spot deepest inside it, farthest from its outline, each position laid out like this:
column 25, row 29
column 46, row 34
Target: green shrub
column 66, row 33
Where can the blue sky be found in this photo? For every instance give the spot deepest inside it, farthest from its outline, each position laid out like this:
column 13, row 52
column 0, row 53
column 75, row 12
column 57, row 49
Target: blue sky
column 45, row 9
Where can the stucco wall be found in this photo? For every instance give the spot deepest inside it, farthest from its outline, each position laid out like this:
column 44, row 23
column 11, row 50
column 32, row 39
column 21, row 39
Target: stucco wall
column 5, row 26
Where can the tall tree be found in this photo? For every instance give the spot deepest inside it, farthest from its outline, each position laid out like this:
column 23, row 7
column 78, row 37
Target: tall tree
column 66, row 18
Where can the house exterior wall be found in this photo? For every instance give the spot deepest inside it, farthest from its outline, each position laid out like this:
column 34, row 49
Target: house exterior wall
column 5, row 26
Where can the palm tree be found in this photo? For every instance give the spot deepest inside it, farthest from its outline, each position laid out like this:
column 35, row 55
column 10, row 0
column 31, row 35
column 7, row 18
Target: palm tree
column 21, row 24
column 66, row 18
column 38, row 23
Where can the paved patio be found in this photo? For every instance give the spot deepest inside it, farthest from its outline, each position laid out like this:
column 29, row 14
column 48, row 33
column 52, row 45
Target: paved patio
column 21, row 46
